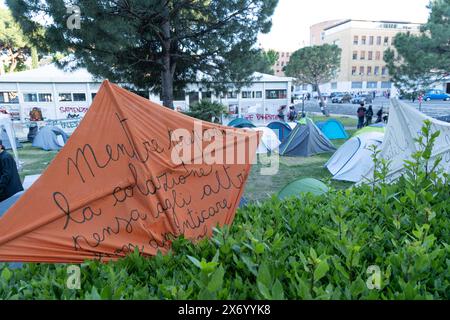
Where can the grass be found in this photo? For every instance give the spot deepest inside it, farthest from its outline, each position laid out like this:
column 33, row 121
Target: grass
column 259, row 187
column 346, row 121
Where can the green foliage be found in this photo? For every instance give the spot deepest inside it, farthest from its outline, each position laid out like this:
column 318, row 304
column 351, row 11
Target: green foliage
column 302, row 248
column 421, row 60
column 154, row 44
column 207, row 111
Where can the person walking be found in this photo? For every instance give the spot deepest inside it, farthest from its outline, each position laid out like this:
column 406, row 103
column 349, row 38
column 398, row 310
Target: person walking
column 10, row 182
column 369, row 115
column 361, row 112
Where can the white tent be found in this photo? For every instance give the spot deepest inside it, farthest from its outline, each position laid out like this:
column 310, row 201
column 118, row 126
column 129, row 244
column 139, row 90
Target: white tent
column 353, row 160
column 6, row 123
column 405, row 123
column 269, row 140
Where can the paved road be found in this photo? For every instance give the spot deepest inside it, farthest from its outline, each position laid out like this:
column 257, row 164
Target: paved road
column 431, row 108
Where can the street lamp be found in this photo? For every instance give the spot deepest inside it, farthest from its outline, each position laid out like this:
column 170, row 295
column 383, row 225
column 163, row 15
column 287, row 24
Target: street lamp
column 303, row 105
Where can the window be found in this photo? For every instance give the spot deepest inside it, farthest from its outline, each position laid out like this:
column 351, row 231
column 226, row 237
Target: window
column 232, row 95
column 79, row 97
column 65, row 97
column 353, row 71
column 355, row 40
column 363, row 55
column 378, row 55
column 355, row 55
column 378, row 41
column 361, row 70
column 384, row 71
column 9, row 97
column 305, row 87
column 276, row 94
column 45, row 97
column 282, row 54
column 334, row 85
column 282, row 63
column 369, row 71
column 370, row 55
column 246, row 94
column 386, row 85
column 386, row 41
column 371, row 38
column 288, row 54
column 376, row 71
column 357, row 85
column 363, row 40
column 93, row 94
column 30, row 97
column 372, row 85
column 278, row 63
column 258, row 94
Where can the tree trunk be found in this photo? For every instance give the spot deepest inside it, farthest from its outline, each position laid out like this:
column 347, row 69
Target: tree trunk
column 321, row 101
column 168, row 71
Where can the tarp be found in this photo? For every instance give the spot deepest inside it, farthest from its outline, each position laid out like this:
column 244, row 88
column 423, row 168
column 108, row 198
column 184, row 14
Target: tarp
column 269, row 141
column 306, row 140
column 134, row 175
column 281, row 129
column 7, row 143
column 353, row 159
column 241, row 123
column 308, row 185
column 404, row 126
column 47, row 138
column 333, row 129
column 6, row 124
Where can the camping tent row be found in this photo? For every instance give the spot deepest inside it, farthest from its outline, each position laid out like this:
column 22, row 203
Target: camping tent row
column 396, row 142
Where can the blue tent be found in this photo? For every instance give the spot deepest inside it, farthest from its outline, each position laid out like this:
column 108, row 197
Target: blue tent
column 333, row 129
column 47, row 138
column 282, row 129
column 241, row 123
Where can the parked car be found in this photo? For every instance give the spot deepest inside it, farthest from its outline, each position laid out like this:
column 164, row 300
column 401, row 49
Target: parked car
column 341, row 98
column 436, row 94
column 365, row 99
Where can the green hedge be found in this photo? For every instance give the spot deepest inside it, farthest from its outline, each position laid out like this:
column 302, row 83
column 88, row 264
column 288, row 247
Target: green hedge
column 305, row 248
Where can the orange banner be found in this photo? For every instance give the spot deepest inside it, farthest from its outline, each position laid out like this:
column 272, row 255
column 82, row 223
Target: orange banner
column 134, row 175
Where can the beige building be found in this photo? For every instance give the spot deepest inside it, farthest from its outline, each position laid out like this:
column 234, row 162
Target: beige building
column 317, row 32
column 363, row 44
column 283, row 60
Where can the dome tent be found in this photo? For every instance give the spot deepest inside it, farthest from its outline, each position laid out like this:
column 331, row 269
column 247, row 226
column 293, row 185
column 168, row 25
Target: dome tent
column 241, row 123
column 282, row 129
column 308, row 185
column 333, row 129
column 47, row 138
column 370, row 129
column 354, row 160
column 269, row 141
column 305, row 141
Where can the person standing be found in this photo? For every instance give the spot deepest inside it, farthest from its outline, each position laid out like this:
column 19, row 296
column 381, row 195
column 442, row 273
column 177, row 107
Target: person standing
column 369, row 116
column 379, row 115
column 10, row 182
column 361, row 112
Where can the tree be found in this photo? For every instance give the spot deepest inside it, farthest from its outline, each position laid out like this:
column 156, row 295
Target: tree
column 207, row 111
column 421, row 60
column 153, row 44
column 265, row 61
column 315, row 65
column 14, row 47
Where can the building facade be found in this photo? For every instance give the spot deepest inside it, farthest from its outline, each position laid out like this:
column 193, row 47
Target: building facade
column 317, row 32
column 363, row 44
column 63, row 98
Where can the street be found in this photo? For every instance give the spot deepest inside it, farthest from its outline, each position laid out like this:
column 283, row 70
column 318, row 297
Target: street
column 432, row 108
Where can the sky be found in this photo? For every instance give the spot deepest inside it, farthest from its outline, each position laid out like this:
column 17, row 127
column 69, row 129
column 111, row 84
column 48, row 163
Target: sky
column 292, row 18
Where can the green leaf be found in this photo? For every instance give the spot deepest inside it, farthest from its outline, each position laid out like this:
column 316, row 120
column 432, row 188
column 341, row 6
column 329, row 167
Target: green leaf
column 6, row 274
column 216, row 281
column 277, row 291
column 264, row 290
column 195, row 261
column 321, row 270
column 264, row 275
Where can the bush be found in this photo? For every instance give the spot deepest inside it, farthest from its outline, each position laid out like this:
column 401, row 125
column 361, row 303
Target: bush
column 207, row 111
column 324, row 247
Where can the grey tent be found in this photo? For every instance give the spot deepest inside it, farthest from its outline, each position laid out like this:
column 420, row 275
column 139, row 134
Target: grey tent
column 47, row 138
column 7, row 143
column 306, row 140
